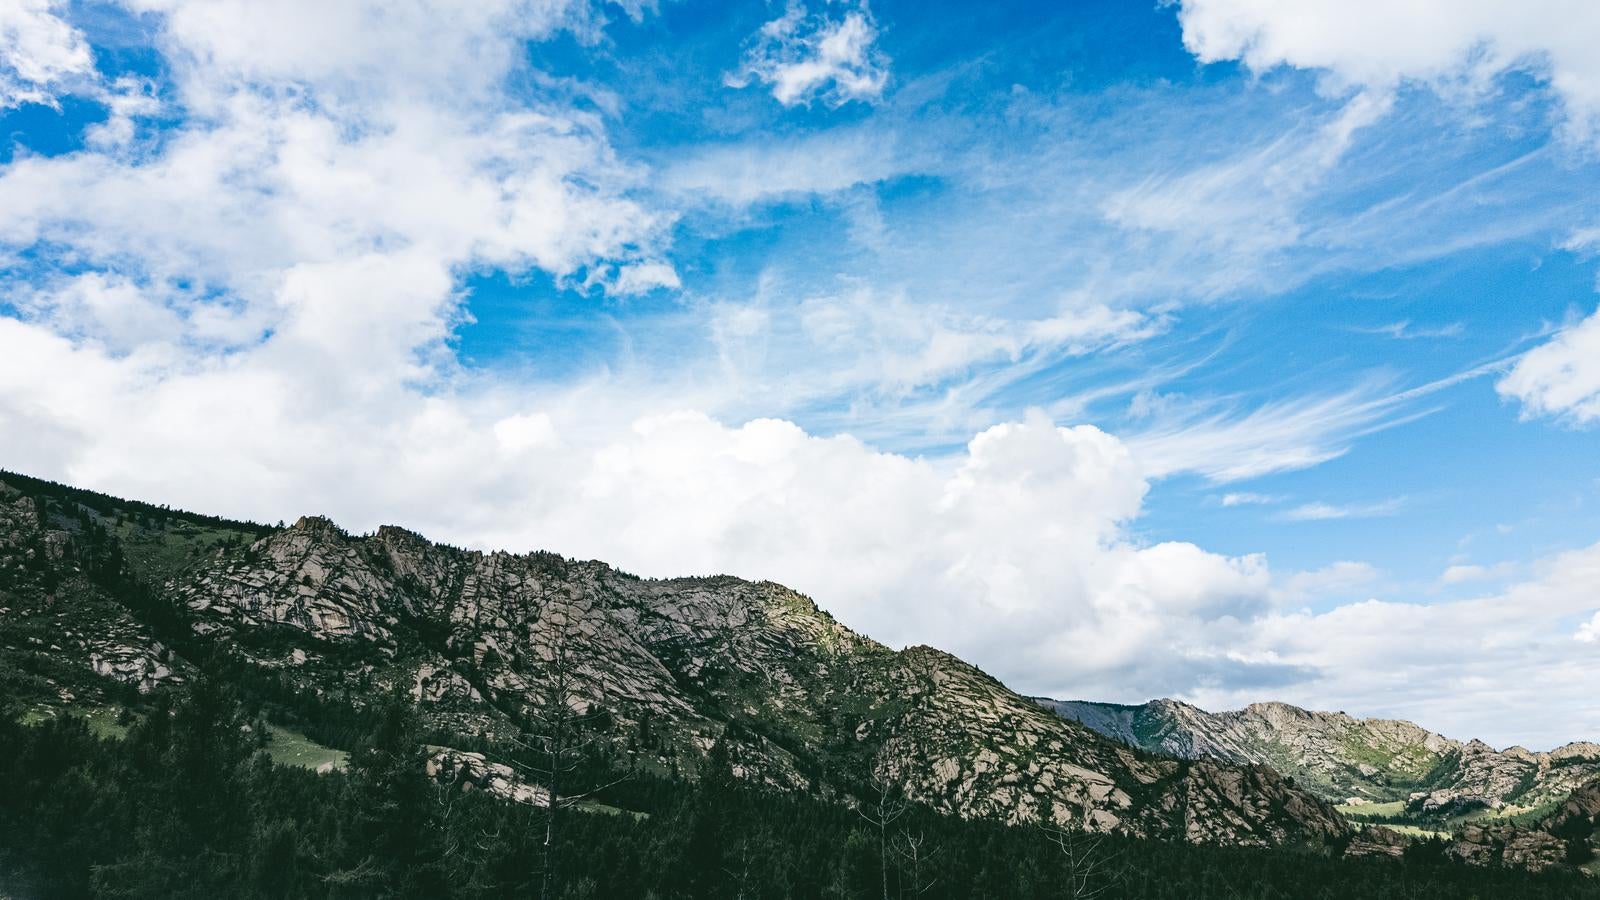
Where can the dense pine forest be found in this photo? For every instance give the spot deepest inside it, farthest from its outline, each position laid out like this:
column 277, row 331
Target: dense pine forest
column 184, row 804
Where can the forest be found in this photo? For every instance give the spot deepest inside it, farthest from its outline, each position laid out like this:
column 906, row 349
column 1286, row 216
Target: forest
column 185, row 804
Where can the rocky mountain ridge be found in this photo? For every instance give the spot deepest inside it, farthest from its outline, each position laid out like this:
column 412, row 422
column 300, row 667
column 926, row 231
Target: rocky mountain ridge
column 1348, row 760
column 99, row 596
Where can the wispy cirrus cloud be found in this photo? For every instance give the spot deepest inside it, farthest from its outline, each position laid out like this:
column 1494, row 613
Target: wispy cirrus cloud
column 1248, row 498
column 1319, row 511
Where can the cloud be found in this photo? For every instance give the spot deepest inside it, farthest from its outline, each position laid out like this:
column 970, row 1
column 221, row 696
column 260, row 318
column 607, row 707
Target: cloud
column 1466, row 574
column 749, row 172
column 1560, row 378
column 1321, row 512
column 804, row 56
column 40, row 54
column 1403, row 330
column 253, row 312
column 1378, row 45
column 1015, row 552
column 1225, row 442
column 1246, row 498
column 1246, row 208
column 1589, row 632
column 1329, row 581
column 1444, row 664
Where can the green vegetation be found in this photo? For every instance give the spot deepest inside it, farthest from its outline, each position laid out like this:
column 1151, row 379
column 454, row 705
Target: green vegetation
column 288, row 747
column 187, row 806
column 1372, row 811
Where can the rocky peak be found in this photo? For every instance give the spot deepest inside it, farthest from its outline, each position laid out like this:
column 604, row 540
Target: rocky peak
column 320, row 526
column 669, row 667
column 1341, row 757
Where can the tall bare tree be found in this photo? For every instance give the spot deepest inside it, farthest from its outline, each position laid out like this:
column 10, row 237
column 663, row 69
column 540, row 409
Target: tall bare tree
column 885, row 807
column 561, row 722
column 915, row 852
column 1093, row 867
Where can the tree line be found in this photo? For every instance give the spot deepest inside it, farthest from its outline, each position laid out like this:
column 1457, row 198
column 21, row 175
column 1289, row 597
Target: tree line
column 186, row 806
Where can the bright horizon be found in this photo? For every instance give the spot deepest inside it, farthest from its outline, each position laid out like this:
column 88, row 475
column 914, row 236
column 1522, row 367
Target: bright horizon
column 1203, row 349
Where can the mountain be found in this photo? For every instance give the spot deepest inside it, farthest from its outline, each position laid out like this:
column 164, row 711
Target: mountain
column 104, row 600
column 1348, row 760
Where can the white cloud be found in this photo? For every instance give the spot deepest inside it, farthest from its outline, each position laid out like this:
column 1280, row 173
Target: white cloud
column 740, row 174
column 1246, row 208
column 643, row 277
column 804, row 56
column 1224, row 440
column 262, row 330
column 1247, row 498
column 887, row 357
column 252, row 316
column 1560, row 378
column 40, row 54
column 1329, row 581
column 1015, row 553
column 1589, row 632
column 1226, row 443
column 1404, row 330
column 1491, row 667
column 1320, row 512
column 1464, row 573
column 1378, row 44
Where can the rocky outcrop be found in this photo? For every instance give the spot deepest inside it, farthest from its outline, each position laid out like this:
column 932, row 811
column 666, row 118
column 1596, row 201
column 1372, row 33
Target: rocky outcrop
column 1378, row 841
column 474, row 771
column 55, row 566
column 1565, row 837
column 1507, row 845
column 662, row 671
column 1345, row 759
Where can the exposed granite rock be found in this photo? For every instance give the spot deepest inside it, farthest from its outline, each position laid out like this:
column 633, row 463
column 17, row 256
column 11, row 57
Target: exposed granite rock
column 667, row 668
column 1345, row 759
column 1509, row 846
column 144, row 666
column 1378, row 841
column 473, row 771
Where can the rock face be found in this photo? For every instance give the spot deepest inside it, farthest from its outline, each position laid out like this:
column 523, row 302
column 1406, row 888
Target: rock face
column 1565, row 837
column 1345, row 759
column 666, row 669
column 57, row 607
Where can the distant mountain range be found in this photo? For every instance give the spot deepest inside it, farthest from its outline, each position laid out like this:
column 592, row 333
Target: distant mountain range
column 1348, row 760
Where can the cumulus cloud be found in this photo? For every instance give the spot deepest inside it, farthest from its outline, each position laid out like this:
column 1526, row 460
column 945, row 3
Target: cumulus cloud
column 804, row 56
column 253, row 315
column 1560, row 378
column 40, row 54
column 1015, row 552
column 1378, row 45
column 1444, row 664
column 1589, row 632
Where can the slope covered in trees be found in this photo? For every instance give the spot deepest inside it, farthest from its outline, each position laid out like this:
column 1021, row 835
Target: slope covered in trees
column 185, row 806
column 620, row 737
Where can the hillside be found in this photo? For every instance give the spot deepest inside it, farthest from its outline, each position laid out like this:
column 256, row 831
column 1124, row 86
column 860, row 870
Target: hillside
column 102, row 599
column 1365, row 763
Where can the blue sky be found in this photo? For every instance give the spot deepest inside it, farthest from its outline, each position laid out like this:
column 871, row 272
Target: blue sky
column 1187, row 349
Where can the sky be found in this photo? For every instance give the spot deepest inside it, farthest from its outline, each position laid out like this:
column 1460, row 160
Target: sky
column 1218, row 349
